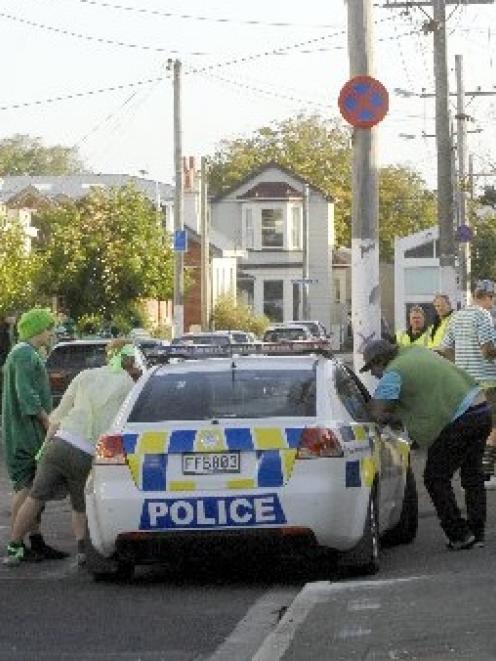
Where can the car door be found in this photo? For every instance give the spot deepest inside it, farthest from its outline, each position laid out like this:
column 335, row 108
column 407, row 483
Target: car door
column 393, row 451
column 355, row 397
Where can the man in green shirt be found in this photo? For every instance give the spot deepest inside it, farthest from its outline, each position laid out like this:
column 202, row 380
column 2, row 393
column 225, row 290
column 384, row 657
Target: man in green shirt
column 26, row 404
column 446, row 412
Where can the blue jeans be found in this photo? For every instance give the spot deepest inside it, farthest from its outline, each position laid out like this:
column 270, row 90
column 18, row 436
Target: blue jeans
column 460, row 446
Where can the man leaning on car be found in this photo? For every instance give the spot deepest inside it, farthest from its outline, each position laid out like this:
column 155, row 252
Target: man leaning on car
column 445, row 411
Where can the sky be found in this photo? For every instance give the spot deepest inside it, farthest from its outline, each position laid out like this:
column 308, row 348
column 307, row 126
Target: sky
column 245, row 65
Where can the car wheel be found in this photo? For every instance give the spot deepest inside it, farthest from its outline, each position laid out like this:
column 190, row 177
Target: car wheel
column 405, row 531
column 363, row 560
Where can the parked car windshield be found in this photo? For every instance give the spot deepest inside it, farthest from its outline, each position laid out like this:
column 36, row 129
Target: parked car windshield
column 203, row 395
column 202, row 339
column 77, row 357
column 288, row 333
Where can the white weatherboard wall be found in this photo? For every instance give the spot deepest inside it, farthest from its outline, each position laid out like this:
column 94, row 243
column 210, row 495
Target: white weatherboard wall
column 416, row 277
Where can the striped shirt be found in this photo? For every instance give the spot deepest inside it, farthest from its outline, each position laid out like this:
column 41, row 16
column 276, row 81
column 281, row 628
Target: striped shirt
column 468, row 330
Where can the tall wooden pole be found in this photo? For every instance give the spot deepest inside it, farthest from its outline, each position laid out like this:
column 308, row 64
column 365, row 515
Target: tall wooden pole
column 365, row 292
column 205, row 247
column 447, row 280
column 178, row 204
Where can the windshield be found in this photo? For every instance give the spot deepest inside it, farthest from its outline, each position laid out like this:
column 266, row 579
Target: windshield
column 226, row 394
column 289, row 333
column 221, row 340
column 77, row 357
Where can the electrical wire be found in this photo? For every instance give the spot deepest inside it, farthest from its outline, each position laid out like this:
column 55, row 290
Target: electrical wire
column 100, row 40
column 213, row 19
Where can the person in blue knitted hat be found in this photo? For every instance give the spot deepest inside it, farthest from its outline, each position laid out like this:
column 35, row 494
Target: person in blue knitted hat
column 26, row 405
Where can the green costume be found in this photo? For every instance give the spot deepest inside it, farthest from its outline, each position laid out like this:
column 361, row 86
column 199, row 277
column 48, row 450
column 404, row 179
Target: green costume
column 26, row 391
column 432, row 390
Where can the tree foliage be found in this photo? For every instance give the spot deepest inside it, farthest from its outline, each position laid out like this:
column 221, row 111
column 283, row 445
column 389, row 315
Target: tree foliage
column 105, row 252
column 405, row 206
column 16, row 267
column 231, row 314
column 23, row 154
column 483, row 246
column 319, row 150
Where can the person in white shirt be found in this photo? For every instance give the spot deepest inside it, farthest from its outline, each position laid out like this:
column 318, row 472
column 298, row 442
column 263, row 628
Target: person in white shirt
column 85, row 412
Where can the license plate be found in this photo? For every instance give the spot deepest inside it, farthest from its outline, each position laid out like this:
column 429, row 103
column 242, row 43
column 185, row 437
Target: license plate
column 211, row 463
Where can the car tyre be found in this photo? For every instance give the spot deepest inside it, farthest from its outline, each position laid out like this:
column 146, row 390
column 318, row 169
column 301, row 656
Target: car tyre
column 405, row 531
column 363, row 559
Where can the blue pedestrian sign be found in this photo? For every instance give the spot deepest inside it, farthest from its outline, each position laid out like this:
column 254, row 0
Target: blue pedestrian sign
column 181, row 241
column 464, row 233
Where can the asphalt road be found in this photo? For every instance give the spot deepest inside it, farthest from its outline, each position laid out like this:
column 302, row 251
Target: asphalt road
column 426, row 603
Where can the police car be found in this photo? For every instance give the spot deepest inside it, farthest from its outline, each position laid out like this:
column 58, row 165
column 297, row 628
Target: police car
column 246, row 442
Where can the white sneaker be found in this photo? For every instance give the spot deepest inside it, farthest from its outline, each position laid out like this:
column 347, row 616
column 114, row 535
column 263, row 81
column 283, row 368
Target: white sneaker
column 490, row 484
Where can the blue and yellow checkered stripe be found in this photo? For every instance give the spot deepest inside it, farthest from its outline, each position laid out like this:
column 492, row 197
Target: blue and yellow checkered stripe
column 148, row 455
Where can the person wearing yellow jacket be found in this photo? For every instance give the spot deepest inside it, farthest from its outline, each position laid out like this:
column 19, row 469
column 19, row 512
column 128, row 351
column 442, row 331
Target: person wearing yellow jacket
column 417, row 331
column 444, row 311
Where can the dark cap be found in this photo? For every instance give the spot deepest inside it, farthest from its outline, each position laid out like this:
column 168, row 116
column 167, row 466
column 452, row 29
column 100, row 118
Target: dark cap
column 376, row 349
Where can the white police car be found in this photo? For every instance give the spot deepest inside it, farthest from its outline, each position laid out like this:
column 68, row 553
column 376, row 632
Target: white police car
column 248, row 446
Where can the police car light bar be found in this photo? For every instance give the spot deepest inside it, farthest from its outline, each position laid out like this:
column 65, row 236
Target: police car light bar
column 289, row 348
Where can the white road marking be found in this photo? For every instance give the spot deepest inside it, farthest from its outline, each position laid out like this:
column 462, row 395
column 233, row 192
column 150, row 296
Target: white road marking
column 353, row 632
column 276, row 644
column 363, row 604
column 261, row 618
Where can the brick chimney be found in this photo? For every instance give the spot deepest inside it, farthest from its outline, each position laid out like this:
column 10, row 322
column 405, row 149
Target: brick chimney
column 189, row 173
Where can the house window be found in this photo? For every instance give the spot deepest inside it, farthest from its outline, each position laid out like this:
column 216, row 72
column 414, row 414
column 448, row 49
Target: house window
column 296, row 228
column 296, row 300
column 273, row 299
column 249, row 230
column 272, row 228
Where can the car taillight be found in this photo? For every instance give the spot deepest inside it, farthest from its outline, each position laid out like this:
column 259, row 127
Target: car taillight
column 319, row 442
column 110, row 450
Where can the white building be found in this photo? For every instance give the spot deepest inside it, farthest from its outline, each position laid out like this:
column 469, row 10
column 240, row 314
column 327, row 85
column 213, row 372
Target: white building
column 262, row 216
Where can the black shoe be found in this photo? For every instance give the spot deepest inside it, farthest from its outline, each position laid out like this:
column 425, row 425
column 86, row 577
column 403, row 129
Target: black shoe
column 39, row 546
column 49, row 553
column 480, row 541
column 462, row 544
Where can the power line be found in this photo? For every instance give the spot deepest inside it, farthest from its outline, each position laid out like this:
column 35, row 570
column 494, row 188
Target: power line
column 213, row 19
column 100, row 40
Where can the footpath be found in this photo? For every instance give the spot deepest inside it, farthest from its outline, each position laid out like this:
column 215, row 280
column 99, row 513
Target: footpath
column 426, row 603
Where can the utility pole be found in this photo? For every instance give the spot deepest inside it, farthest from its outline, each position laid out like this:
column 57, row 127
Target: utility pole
column 305, row 298
column 365, row 292
column 205, row 247
column 444, row 146
column 443, row 140
column 178, row 204
column 461, row 148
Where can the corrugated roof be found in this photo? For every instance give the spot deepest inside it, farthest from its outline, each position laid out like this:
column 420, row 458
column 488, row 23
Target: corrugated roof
column 76, row 186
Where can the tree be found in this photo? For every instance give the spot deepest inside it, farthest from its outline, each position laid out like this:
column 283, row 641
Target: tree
column 23, row 154
column 105, row 252
column 405, row 206
column 319, row 150
column 483, row 247
column 16, row 267
column 229, row 314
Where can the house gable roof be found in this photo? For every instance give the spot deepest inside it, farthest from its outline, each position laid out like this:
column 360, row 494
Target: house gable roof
column 271, row 164
column 271, row 190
